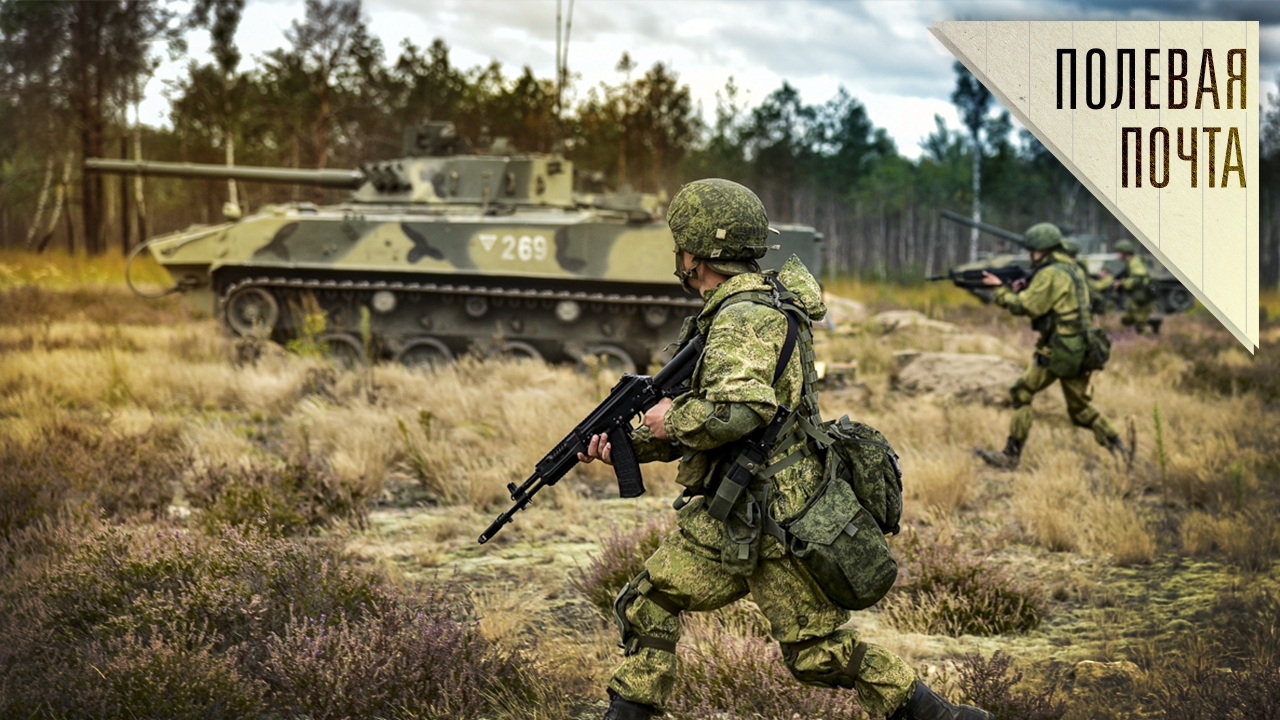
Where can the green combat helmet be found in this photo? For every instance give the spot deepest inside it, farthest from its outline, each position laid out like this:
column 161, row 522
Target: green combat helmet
column 1071, row 246
column 1125, row 246
column 1042, row 236
column 721, row 223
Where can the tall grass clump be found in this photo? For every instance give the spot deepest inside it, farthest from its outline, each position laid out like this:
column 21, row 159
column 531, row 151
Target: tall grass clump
column 132, row 620
column 945, row 589
column 621, row 558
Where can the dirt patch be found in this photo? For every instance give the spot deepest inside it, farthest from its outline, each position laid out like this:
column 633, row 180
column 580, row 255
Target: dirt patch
column 963, row 377
column 894, row 320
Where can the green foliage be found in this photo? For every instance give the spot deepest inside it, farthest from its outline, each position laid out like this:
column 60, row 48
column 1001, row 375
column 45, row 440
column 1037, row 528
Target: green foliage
column 621, row 558
column 1161, row 456
column 311, row 321
column 949, row 590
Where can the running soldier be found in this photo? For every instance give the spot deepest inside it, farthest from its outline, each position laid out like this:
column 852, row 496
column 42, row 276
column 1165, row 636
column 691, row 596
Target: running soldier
column 1057, row 300
column 720, row 230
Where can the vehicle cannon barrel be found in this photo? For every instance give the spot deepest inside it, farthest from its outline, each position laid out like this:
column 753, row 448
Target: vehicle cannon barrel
column 351, row 179
column 984, row 227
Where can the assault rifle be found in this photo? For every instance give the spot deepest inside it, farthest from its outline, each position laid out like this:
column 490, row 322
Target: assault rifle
column 631, row 397
column 972, row 279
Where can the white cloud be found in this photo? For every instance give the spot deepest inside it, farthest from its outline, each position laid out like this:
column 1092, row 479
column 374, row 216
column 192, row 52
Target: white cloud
column 879, row 50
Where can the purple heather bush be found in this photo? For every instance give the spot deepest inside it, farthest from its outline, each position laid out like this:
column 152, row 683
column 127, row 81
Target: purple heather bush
column 621, row 558
column 946, row 589
column 133, row 620
column 72, row 463
column 292, row 498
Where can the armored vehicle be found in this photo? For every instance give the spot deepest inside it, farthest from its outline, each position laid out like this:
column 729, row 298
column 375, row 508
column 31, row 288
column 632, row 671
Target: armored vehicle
column 1171, row 296
column 441, row 252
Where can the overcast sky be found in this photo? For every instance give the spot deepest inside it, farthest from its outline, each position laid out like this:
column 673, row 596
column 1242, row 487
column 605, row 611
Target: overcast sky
column 879, row 50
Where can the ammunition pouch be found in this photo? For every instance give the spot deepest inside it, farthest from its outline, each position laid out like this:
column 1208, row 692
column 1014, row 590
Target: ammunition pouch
column 1066, row 354
column 1141, row 294
column 1097, row 350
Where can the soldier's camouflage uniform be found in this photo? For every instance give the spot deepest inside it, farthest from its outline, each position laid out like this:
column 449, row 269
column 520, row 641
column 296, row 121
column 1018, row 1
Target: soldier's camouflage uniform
column 1137, row 284
column 1053, row 290
column 699, row 567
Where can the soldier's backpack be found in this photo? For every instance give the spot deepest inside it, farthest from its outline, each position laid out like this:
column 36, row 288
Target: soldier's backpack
column 839, row 536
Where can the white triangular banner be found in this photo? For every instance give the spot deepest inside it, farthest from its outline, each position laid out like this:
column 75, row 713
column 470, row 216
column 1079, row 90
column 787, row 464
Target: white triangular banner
column 1206, row 235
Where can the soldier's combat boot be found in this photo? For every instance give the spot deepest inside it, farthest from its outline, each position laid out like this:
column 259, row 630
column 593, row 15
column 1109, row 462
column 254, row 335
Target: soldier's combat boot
column 620, row 709
column 1006, row 459
column 1155, row 324
column 926, row 704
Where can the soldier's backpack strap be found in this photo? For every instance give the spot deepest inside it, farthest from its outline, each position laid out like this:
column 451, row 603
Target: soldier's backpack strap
column 793, row 446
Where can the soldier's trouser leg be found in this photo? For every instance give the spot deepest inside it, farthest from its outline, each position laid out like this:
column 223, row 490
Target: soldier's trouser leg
column 688, row 576
column 1137, row 316
column 1035, row 379
column 805, row 622
column 1078, row 393
column 801, row 618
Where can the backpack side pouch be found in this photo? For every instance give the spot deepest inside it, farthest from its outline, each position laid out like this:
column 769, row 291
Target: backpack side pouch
column 842, row 547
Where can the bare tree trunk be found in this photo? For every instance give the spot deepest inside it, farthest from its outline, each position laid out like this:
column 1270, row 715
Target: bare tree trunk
column 140, row 198
column 229, row 142
column 977, row 197
column 44, row 197
column 59, row 205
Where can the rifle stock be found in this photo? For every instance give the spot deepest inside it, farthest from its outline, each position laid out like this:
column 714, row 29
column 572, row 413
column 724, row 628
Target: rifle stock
column 631, row 397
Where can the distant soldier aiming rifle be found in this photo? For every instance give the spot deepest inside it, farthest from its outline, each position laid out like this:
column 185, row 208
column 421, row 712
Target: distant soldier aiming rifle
column 1056, row 297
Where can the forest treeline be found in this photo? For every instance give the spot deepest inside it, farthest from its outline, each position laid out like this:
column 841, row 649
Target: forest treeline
column 71, row 75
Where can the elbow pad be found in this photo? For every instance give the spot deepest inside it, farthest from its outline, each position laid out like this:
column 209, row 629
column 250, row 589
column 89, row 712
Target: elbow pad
column 730, row 421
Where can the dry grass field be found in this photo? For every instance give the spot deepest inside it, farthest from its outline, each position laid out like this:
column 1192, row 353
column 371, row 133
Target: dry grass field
column 284, row 538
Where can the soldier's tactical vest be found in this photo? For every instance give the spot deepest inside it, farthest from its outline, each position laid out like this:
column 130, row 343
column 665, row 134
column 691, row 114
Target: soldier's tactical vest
column 1074, row 345
column 839, row 536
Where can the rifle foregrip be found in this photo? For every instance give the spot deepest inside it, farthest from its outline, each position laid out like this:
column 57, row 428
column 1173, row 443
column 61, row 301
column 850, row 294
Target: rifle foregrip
column 625, row 465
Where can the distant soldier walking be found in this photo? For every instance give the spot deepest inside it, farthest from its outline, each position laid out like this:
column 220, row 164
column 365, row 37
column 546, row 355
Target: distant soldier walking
column 748, row 368
column 1135, row 281
column 1057, row 300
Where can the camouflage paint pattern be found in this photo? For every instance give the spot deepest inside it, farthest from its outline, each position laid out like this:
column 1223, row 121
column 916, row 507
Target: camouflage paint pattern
column 717, row 218
column 698, row 567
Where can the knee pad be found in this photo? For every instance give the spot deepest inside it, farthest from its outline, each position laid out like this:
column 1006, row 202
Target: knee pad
column 823, row 676
column 1021, row 395
column 632, row 641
